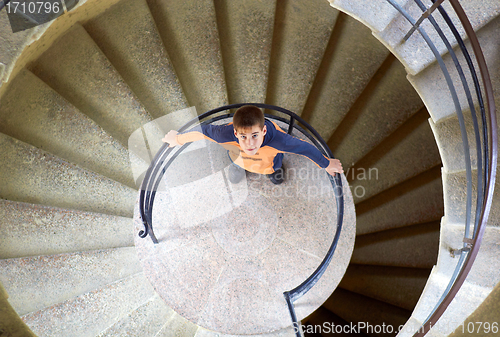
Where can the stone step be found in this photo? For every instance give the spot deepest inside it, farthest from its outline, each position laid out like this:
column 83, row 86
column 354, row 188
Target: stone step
column 415, row 53
column 301, row 34
column 44, row 119
column 455, row 199
column 394, row 285
column 177, row 326
column 449, row 140
column 431, row 83
column 34, row 176
column 406, row 153
column 189, row 32
column 64, row 276
column 487, row 313
column 33, row 230
column 389, row 26
column 385, row 104
column 324, row 323
column 416, row 247
column 12, row 46
column 246, row 34
column 481, row 280
column 484, row 271
column 416, row 200
column 93, row 312
column 465, row 302
column 363, row 11
column 411, row 327
column 146, row 320
column 350, row 61
column 77, row 69
column 12, row 324
column 373, row 314
column 201, row 332
column 136, row 50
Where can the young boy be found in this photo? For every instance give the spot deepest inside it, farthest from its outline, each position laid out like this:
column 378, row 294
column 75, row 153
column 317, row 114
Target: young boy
column 255, row 144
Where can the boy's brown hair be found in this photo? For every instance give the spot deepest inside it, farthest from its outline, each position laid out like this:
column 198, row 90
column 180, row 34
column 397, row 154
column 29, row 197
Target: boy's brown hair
column 247, row 116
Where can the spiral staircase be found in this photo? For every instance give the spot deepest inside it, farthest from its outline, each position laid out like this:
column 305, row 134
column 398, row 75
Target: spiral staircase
column 75, row 89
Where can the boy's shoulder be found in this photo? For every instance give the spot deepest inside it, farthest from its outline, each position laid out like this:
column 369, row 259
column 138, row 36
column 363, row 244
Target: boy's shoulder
column 274, row 133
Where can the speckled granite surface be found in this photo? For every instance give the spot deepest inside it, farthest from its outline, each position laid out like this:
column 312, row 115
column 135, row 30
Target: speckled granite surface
column 227, row 252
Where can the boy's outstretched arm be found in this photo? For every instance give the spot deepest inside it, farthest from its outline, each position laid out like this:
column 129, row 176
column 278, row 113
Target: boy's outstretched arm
column 171, row 138
column 335, row 166
column 292, row 144
column 214, row 133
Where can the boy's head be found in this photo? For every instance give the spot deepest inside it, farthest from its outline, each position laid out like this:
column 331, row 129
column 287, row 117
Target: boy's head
column 249, row 128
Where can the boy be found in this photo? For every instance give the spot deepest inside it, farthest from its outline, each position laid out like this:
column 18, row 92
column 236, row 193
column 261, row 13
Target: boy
column 255, row 144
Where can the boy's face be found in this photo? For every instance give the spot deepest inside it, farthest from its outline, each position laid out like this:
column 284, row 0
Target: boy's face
column 251, row 139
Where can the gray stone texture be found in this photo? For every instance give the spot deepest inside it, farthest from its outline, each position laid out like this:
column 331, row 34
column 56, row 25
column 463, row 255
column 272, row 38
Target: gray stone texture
column 34, row 176
column 484, row 272
column 92, row 312
column 376, row 14
column 281, row 333
column 352, row 58
column 455, row 199
column 11, row 45
column 415, row 54
column 451, row 147
column 457, row 312
column 301, row 34
column 431, row 84
column 486, row 312
column 386, row 108
column 189, row 33
column 49, row 280
column 407, row 152
column 246, row 33
column 402, row 205
column 33, row 230
column 47, row 121
column 147, row 320
column 354, row 307
column 176, row 326
column 136, row 50
column 394, row 285
column 412, row 246
column 78, row 70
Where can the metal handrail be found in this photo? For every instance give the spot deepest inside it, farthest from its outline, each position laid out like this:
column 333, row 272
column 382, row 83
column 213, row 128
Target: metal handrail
column 480, row 183
column 157, row 169
column 486, row 177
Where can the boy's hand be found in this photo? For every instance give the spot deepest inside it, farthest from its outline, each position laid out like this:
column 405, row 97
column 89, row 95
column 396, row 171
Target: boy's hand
column 335, row 166
column 170, row 138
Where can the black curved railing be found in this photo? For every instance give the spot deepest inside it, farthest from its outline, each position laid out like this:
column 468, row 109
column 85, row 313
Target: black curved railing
column 485, row 139
column 159, row 165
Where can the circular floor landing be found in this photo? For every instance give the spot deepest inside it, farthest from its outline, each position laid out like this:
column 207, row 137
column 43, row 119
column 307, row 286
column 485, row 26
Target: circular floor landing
column 227, row 252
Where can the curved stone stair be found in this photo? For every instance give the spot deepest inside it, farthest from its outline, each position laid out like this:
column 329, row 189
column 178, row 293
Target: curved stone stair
column 68, row 193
